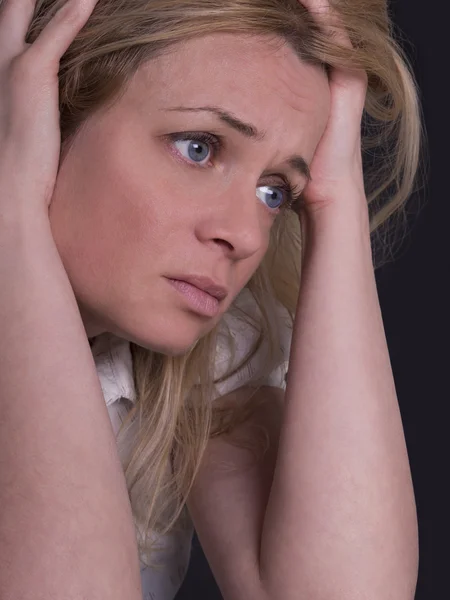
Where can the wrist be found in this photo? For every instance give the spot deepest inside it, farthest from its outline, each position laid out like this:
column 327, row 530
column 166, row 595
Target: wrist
column 26, row 243
column 339, row 223
column 17, row 224
column 350, row 209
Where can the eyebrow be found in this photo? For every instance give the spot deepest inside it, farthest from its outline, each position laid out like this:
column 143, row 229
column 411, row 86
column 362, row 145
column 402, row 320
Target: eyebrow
column 295, row 162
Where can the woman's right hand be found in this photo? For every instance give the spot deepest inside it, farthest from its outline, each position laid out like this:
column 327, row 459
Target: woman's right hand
column 30, row 137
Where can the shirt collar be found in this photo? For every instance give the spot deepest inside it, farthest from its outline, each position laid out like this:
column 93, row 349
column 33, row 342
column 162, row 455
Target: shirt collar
column 113, row 360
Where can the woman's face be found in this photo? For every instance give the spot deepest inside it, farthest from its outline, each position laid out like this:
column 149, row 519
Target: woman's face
column 138, row 202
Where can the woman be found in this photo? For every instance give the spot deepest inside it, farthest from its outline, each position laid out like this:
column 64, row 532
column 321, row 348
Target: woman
column 201, row 160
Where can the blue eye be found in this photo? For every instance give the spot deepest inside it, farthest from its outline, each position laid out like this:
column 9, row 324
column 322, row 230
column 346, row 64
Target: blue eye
column 196, row 146
column 273, row 196
column 194, row 150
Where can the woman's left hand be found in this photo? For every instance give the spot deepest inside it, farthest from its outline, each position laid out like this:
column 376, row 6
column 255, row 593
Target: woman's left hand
column 336, row 168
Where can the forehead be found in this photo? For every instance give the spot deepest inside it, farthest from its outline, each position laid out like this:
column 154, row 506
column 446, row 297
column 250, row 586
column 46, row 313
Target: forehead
column 260, row 79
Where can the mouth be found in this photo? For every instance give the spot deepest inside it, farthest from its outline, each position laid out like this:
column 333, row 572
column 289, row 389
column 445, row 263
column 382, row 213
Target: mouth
column 201, row 294
column 206, row 284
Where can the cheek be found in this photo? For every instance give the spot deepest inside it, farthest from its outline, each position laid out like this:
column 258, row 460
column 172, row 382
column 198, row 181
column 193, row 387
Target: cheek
column 95, row 226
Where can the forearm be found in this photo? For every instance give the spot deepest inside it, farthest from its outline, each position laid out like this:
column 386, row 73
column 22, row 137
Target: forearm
column 66, row 529
column 341, row 519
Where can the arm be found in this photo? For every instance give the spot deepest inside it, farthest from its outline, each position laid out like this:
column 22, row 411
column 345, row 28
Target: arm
column 339, row 520
column 351, row 501
column 66, row 529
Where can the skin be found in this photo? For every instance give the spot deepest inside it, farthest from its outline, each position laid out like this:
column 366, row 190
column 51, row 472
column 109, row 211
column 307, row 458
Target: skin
column 130, row 207
column 333, row 513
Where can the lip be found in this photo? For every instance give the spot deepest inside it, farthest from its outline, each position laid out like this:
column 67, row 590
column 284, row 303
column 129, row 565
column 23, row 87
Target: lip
column 205, row 284
column 198, row 300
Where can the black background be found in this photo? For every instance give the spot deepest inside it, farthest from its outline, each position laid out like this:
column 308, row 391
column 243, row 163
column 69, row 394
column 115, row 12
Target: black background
column 414, row 297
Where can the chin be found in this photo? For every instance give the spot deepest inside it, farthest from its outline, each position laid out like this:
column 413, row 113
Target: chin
column 173, row 336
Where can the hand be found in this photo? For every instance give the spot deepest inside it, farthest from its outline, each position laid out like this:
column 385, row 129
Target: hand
column 30, row 136
column 336, row 169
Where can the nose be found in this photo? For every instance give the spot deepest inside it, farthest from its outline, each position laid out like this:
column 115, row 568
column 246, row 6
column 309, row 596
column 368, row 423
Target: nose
column 235, row 222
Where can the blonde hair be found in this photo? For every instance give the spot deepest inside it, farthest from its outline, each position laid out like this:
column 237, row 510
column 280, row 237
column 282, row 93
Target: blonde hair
column 174, row 413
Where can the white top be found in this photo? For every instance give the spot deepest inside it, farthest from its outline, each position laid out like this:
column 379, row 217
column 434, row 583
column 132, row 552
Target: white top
column 114, row 367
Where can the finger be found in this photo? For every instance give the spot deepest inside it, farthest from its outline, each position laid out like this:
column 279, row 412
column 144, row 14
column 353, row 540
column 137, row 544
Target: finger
column 348, row 87
column 59, row 33
column 352, row 84
column 328, row 19
column 15, row 18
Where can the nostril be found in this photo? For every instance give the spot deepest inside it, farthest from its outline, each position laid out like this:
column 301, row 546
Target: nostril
column 224, row 242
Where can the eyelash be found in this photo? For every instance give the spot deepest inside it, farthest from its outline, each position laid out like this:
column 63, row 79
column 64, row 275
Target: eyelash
column 294, row 193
